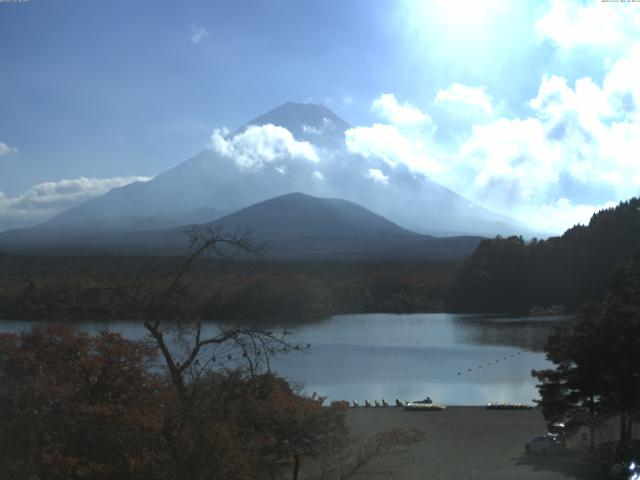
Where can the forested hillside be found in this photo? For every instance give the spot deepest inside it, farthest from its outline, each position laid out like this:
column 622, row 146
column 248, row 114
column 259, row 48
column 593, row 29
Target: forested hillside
column 76, row 288
column 511, row 275
column 503, row 275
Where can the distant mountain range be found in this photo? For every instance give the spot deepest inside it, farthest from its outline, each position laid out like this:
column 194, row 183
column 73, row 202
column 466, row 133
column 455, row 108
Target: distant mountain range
column 293, row 148
column 293, row 226
column 300, row 226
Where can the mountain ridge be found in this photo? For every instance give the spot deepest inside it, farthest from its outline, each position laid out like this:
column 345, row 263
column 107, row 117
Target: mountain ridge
column 212, row 179
column 294, row 226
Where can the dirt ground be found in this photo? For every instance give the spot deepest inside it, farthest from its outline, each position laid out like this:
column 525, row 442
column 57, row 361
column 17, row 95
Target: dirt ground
column 466, row 443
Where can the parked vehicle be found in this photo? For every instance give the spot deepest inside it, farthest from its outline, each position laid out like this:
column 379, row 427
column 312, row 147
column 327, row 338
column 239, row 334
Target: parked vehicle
column 625, row 471
column 558, row 430
column 544, row 444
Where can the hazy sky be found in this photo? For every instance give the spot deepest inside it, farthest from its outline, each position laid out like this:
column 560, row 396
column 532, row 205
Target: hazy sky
column 530, row 108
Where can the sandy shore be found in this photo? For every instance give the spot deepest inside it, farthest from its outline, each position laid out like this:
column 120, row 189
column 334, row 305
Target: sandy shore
column 466, row 443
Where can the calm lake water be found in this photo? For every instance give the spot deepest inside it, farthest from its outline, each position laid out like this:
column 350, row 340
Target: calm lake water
column 455, row 359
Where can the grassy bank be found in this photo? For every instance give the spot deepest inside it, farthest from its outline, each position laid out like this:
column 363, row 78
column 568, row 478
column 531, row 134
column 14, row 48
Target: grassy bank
column 465, row 443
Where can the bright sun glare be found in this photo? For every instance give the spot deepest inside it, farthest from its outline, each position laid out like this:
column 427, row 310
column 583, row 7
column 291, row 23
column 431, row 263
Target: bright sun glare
column 461, row 32
column 465, row 15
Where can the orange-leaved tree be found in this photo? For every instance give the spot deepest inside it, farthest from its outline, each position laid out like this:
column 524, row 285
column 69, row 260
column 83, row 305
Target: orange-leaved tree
column 78, row 406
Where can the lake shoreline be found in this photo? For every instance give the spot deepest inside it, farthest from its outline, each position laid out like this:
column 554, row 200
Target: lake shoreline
column 301, row 319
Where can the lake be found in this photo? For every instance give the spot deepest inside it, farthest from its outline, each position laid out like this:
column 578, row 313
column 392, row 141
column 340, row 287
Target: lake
column 455, row 359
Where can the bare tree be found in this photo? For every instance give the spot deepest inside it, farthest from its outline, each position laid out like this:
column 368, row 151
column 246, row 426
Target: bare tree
column 208, row 367
column 191, row 352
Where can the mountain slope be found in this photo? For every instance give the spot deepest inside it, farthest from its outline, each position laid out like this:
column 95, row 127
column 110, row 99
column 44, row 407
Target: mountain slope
column 315, row 124
column 299, row 226
column 74, row 234
column 219, row 177
column 293, row 226
column 297, row 215
column 209, row 178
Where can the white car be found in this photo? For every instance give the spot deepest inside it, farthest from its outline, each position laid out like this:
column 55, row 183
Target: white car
column 544, row 444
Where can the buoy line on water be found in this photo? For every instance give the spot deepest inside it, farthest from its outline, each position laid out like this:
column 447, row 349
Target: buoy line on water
column 437, row 407
column 488, row 364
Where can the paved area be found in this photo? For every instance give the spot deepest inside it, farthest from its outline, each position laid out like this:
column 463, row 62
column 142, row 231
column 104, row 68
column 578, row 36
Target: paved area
column 467, row 443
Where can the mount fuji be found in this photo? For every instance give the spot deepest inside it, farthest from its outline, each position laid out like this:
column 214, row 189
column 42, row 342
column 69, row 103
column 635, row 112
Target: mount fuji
column 296, row 147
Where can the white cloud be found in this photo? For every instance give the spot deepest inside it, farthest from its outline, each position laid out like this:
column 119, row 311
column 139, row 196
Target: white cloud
column 570, row 23
column 389, row 144
column 377, row 176
column 260, row 145
column 574, row 154
column 556, row 217
column 318, row 175
column 556, row 98
column 459, row 93
column 511, row 161
column 622, row 83
column 404, row 115
column 398, row 143
column 197, row 34
column 49, row 198
column 6, row 149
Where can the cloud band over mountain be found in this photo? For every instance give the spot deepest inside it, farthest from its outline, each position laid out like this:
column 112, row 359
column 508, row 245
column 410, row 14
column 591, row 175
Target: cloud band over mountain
column 44, row 200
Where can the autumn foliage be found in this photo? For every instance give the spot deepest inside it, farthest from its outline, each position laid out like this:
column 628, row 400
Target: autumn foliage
column 77, row 406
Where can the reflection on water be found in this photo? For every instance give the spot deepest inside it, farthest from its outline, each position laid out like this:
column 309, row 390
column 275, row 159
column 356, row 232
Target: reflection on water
column 526, row 332
column 455, row 359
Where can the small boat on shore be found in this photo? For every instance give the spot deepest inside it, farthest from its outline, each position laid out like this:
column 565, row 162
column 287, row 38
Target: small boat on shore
column 424, row 407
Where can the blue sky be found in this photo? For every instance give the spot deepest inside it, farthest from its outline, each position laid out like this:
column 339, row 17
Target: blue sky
column 95, row 94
